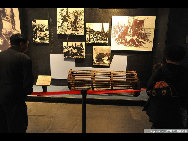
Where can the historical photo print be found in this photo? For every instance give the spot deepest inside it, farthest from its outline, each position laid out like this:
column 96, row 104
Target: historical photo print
column 40, row 31
column 70, row 21
column 9, row 24
column 132, row 33
column 74, row 49
column 97, row 32
column 101, row 55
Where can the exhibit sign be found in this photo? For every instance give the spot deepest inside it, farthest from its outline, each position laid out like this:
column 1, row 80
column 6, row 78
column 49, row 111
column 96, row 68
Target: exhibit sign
column 43, row 80
column 101, row 55
column 9, row 24
column 70, row 21
column 97, row 32
column 40, row 31
column 74, row 49
column 132, row 33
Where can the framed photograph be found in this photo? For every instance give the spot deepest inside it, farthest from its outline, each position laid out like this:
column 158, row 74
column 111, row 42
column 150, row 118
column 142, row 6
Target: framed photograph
column 132, row 33
column 70, row 21
column 9, row 25
column 97, row 32
column 74, row 49
column 40, row 31
column 101, row 55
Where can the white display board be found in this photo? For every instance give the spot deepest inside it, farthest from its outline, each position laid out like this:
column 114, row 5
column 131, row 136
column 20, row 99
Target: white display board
column 60, row 67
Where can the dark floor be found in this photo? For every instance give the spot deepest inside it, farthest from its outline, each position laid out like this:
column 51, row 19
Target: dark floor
column 67, row 118
column 63, row 113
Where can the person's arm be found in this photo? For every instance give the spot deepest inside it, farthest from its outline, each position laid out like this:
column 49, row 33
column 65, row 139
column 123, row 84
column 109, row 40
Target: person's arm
column 151, row 82
column 27, row 77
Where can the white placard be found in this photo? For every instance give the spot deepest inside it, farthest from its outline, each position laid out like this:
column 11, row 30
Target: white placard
column 44, row 80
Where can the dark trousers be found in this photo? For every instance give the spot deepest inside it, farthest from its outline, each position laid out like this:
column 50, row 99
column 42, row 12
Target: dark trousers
column 13, row 118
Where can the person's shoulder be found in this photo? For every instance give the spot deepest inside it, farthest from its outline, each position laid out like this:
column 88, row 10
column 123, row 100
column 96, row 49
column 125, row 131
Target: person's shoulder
column 23, row 55
column 24, row 58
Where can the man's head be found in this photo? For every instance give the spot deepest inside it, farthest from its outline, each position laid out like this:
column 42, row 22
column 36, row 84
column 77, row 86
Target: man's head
column 175, row 53
column 19, row 41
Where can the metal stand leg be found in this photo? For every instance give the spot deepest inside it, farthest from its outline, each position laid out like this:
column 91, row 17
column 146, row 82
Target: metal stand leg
column 84, row 94
column 44, row 88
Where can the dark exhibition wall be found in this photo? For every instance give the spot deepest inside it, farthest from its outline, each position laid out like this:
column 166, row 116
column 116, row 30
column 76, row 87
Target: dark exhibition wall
column 167, row 30
column 177, row 29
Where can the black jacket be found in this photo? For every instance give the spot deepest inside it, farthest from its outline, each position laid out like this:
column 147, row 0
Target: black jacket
column 16, row 78
column 167, row 110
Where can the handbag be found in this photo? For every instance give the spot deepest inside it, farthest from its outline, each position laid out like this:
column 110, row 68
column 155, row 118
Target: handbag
column 163, row 90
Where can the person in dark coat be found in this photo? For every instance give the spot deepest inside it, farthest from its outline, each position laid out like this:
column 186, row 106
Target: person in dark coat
column 169, row 113
column 16, row 82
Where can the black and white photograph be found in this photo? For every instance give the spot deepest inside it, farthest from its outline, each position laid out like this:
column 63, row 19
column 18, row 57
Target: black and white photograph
column 40, row 31
column 74, row 49
column 101, row 55
column 97, row 32
column 70, row 21
column 9, row 24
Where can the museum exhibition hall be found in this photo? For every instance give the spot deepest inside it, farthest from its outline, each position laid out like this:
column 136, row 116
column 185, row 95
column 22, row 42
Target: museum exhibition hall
column 91, row 66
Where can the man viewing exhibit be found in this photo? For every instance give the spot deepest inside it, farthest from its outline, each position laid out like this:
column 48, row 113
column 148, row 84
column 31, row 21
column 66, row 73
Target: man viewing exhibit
column 16, row 82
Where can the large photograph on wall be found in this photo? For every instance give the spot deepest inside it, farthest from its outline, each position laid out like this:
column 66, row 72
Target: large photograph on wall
column 70, row 21
column 40, row 31
column 9, row 24
column 97, row 32
column 74, row 49
column 101, row 55
column 132, row 33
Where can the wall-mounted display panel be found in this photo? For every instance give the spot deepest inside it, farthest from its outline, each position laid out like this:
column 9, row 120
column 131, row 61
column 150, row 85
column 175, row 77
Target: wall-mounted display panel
column 40, row 31
column 97, row 32
column 9, row 24
column 60, row 67
column 132, row 33
column 101, row 55
column 74, row 49
column 70, row 21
